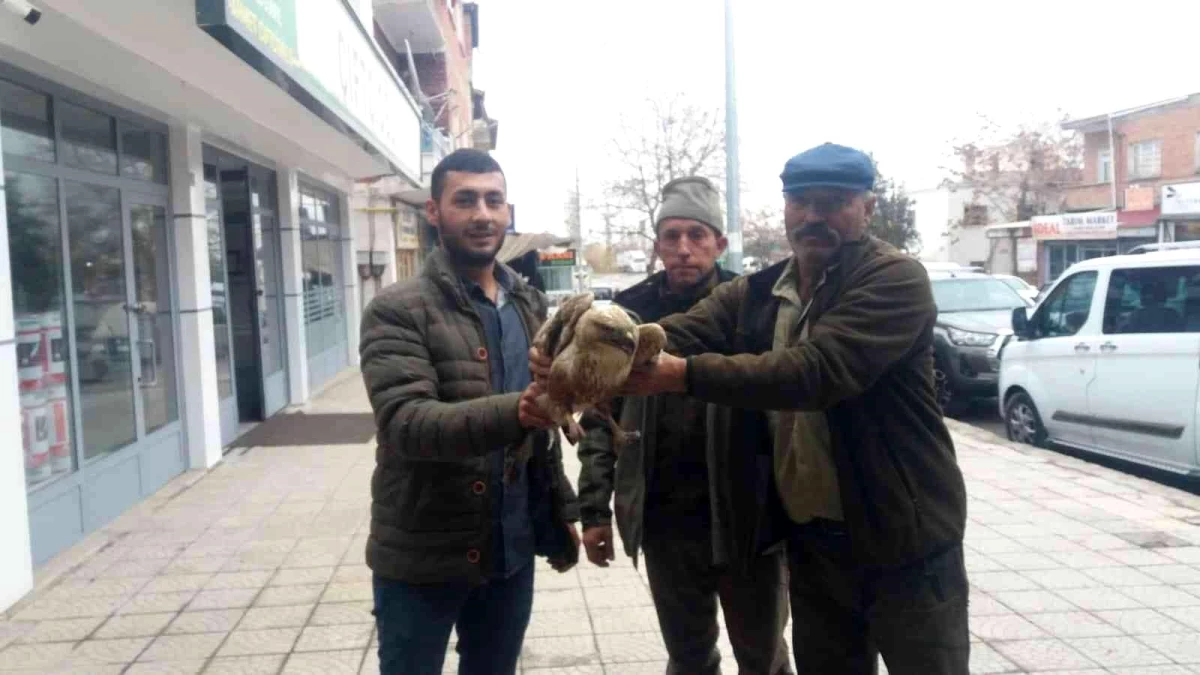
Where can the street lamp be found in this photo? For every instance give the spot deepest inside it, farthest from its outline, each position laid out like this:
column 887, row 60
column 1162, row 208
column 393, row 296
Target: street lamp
column 732, row 183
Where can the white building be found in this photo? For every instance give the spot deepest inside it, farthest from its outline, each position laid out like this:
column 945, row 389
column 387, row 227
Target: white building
column 179, row 258
column 952, row 222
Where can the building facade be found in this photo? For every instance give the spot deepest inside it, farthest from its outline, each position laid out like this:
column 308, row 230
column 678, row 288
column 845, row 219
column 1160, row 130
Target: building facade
column 179, row 245
column 1134, row 163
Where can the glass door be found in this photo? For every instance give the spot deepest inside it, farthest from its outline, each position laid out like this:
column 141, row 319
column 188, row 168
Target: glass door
column 222, row 335
column 264, row 225
column 154, row 324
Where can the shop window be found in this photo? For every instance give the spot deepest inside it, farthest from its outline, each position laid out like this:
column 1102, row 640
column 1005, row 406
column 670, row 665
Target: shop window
column 28, row 125
column 320, row 250
column 44, row 371
column 143, row 153
column 89, row 138
column 1153, row 300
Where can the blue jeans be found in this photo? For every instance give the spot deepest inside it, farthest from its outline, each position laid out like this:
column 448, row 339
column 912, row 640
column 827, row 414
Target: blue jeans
column 415, row 621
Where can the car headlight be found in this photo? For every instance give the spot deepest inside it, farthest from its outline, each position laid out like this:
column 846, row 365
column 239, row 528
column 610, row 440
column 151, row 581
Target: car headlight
column 966, row 338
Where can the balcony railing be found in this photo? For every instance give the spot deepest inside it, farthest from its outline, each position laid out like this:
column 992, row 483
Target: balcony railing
column 1094, row 196
column 434, row 146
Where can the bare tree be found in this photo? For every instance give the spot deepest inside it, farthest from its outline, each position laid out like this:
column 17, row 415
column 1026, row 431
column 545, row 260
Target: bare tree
column 763, row 235
column 676, row 139
column 1019, row 173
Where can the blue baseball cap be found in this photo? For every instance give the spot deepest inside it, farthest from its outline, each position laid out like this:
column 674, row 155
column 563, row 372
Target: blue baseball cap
column 829, row 165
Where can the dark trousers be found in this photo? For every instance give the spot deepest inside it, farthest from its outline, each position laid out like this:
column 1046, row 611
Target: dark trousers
column 843, row 619
column 686, row 586
column 414, row 623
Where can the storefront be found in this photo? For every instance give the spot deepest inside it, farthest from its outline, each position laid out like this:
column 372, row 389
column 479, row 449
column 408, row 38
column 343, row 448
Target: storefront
column 180, row 252
column 1066, row 239
column 1181, row 211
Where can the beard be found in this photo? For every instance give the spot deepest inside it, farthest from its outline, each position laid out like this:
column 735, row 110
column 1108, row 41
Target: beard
column 462, row 255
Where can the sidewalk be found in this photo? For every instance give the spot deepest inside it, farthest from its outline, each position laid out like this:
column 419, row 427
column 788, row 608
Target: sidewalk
column 257, row 567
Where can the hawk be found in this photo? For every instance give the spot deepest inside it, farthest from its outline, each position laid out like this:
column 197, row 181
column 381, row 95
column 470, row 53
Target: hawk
column 593, row 350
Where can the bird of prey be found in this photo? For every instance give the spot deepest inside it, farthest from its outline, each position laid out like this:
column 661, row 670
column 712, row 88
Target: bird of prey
column 593, row 350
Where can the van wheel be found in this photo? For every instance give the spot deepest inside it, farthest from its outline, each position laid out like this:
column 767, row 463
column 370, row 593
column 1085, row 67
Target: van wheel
column 1022, row 421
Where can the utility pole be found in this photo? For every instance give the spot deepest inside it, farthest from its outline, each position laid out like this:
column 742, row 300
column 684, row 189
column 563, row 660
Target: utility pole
column 732, row 182
column 577, row 217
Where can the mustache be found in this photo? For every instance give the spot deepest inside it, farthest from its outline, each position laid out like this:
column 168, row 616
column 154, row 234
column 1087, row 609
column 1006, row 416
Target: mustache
column 819, row 230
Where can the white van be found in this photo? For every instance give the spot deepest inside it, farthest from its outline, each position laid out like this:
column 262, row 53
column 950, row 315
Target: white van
column 1109, row 361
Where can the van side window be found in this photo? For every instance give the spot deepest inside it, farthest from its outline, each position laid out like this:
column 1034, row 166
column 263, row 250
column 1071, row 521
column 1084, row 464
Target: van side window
column 1153, row 300
column 1067, row 308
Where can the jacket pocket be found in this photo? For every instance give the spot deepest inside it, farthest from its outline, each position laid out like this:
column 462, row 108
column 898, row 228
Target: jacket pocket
column 907, row 484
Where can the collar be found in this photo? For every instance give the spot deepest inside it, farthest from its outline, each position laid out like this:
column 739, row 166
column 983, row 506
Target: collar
column 702, row 287
column 787, row 286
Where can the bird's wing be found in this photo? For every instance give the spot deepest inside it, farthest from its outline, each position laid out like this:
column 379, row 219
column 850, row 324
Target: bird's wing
column 557, row 332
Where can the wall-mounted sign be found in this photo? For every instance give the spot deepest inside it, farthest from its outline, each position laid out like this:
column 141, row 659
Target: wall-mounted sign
column 318, row 52
column 1181, row 199
column 557, row 258
column 1100, row 225
column 1139, row 198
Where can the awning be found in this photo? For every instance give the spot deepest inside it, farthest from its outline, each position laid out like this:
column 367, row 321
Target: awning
column 517, row 244
column 1001, row 230
column 1138, row 218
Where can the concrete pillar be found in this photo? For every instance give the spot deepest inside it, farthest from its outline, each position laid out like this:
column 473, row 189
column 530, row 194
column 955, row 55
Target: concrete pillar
column 201, row 397
column 16, row 562
column 293, row 283
column 350, row 281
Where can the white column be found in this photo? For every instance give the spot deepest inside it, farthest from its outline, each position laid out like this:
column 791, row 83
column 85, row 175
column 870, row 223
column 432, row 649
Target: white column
column 350, row 281
column 201, row 397
column 16, row 562
column 293, row 283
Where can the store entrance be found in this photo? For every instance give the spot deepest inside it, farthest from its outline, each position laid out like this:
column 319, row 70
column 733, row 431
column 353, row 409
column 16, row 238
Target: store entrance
column 243, row 238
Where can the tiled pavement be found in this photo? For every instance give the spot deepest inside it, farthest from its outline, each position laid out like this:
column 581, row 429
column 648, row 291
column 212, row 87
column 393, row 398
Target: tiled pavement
column 257, row 567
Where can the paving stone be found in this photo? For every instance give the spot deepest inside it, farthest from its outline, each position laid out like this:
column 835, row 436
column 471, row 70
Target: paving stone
column 267, row 641
column 617, row 596
column 324, row 663
column 303, row 575
column 276, row 617
column 206, row 621
column 332, row 613
column 559, row 623
column 122, row 650
column 985, row 660
column 349, row 592
column 338, row 637
column 276, row 596
column 631, row 647
column 1182, row 647
column 268, row 664
column 1039, row 655
column 1174, row 574
column 61, row 630
column 134, row 625
column 558, row 599
column 232, row 598
column 1005, row 627
column 1116, row 577
column 1142, row 622
column 625, row 620
column 34, row 656
column 238, row 580
column 166, row 668
column 1161, row 596
column 994, row 582
column 177, row 582
column 351, row 573
column 559, row 652
column 1026, row 602
column 1120, row 652
column 1074, row 624
column 183, row 647
column 157, row 603
column 1096, row 599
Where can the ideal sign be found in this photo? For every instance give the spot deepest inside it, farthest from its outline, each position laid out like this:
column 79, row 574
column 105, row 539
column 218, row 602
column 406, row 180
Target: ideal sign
column 1076, row 226
column 1182, row 199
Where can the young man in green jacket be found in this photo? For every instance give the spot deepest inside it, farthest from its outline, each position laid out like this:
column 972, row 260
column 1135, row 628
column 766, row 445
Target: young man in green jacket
column 673, row 503
column 469, row 484
column 828, row 357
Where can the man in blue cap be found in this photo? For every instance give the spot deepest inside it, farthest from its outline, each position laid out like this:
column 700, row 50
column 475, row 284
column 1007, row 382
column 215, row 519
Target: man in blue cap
column 826, row 361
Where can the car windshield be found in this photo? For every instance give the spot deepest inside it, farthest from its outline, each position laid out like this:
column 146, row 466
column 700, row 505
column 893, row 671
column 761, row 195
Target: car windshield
column 974, row 295
column 1014, row 283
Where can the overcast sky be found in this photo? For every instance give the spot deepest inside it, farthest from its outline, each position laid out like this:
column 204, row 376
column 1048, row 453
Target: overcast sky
column 902, row 80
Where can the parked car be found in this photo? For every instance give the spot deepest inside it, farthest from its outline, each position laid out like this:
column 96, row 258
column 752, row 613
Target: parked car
column 974, row 314
column 1023, row 288
column 1109, row 362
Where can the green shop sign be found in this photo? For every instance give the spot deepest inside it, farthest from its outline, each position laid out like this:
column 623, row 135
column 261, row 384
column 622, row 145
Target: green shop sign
column 318, row 52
